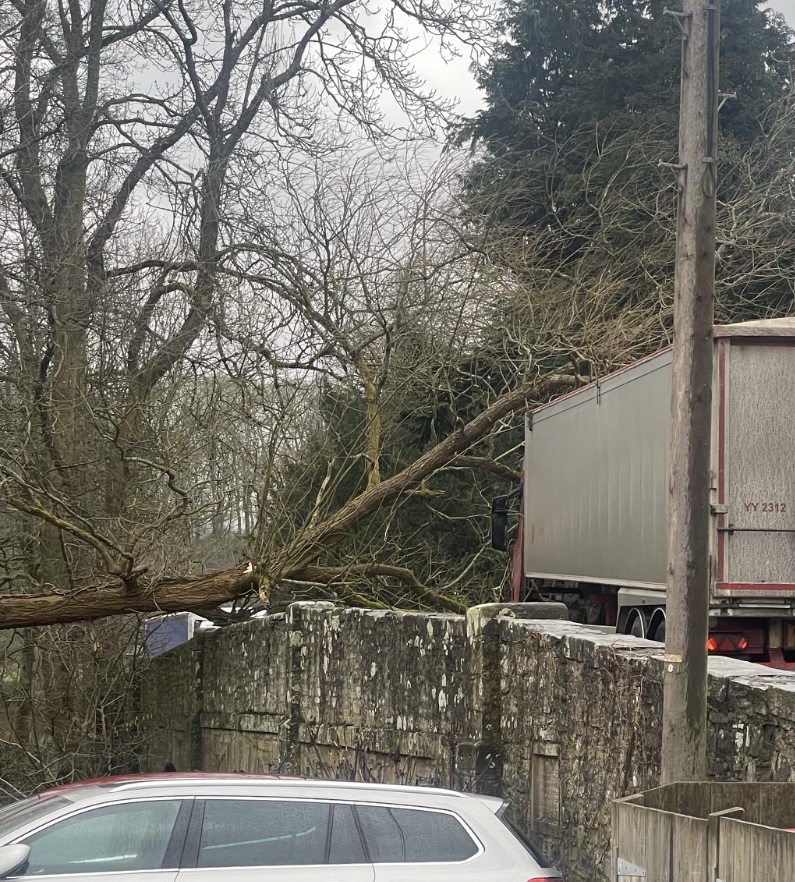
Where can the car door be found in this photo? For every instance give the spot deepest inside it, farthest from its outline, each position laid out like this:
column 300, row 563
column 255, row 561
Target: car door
column 265, row 840
column 110, row 843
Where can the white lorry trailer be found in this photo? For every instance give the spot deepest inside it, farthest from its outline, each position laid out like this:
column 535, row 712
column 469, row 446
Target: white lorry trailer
column 595, row 491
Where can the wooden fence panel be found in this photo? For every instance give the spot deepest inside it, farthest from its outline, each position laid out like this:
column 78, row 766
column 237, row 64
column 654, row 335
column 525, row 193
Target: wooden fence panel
column 642, row 838
column 752, row 853
column 689, row 851
column 706, row 831
column 776, row 804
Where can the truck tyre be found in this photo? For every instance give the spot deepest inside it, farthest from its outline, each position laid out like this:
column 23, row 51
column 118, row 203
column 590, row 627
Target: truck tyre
column 636, row 623
column 657, row 627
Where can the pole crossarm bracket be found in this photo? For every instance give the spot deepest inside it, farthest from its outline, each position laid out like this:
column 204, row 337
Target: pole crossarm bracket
column 679, row 169
column 724, row 97
column 680, row 18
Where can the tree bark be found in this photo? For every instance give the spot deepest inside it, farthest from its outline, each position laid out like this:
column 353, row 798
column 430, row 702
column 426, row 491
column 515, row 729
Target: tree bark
column 165, row 595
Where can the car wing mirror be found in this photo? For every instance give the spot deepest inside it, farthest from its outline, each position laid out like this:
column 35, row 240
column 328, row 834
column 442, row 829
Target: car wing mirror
column 499, row 523
column 13, row 858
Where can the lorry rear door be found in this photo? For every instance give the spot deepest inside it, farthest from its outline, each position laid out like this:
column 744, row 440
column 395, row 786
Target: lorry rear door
column 756, row 468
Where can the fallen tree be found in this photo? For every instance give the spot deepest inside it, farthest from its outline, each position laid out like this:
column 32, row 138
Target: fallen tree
column 134, row 593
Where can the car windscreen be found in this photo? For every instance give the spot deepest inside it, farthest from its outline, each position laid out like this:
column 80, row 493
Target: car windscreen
column 20, row 814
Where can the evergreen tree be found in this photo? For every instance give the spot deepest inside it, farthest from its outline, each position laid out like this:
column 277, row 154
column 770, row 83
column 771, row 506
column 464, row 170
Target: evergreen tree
column 576, row 77
column 581, row 110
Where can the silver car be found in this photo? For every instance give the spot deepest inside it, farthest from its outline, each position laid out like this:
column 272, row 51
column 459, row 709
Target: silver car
column 249, row 828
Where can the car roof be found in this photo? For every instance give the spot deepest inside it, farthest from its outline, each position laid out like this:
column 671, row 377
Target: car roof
column 241, row 784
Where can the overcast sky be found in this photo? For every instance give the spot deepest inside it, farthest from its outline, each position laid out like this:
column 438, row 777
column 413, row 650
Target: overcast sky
column 454, row 79
column 787, row 8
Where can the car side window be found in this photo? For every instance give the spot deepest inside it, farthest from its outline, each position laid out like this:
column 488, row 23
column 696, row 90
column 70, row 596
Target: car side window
column 130, row 836
column 399, row 835
column 263, row 832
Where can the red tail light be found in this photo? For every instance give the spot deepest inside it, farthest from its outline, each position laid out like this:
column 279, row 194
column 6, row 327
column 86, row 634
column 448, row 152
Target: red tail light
column 546, row 879
column 729, row 642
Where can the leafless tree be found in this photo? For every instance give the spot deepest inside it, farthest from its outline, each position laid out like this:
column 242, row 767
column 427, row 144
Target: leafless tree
column 144, row 151
column 155, row 342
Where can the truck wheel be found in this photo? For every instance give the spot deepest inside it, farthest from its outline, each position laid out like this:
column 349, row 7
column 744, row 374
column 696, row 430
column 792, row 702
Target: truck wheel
column 657, row 630
column 636, row 624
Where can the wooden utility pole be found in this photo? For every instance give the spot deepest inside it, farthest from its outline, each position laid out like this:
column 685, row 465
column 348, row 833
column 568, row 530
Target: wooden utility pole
column 687, row 599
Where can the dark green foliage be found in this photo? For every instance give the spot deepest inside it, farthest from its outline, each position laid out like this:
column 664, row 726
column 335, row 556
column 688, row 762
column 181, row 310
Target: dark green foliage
column 570, row 62
column 598, row 74
column 582, row 107
column 437, row 533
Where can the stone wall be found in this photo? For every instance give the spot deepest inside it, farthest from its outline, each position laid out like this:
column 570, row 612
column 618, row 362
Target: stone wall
column 556, row 717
